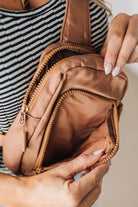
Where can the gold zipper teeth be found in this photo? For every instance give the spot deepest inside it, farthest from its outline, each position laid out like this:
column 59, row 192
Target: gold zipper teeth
column 43, row 65
column 50, row 70
column 107, row 159
column 38, row 165
column 44, row 145
column 46, row 74
column 44, row 62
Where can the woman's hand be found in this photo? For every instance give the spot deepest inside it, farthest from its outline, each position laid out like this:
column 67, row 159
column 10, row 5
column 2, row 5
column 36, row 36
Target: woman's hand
column 57, row 187
column 121, row 45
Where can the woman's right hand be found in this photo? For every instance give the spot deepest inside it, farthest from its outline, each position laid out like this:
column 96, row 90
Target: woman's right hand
column 57, row 187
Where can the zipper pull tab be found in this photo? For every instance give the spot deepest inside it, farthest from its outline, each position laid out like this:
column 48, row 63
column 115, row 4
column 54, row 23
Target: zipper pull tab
column 22, row 118
column 22, row 121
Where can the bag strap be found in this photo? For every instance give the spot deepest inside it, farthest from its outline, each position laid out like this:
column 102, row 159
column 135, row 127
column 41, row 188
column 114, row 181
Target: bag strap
column 25, row 4
column 76, row 25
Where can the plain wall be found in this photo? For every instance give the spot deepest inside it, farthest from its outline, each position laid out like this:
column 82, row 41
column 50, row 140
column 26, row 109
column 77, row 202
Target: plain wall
column 120, row 186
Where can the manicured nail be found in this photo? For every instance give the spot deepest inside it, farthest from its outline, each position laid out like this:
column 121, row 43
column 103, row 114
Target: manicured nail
column 116, row 70
column 108, row 68
column 98, row 152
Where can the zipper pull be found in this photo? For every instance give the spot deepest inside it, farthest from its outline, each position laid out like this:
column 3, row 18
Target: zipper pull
column 22, row 118
column 22, row 121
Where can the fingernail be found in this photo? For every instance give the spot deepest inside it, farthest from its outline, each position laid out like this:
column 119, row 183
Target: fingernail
column 108, row 68
column 116, row 70
column 98, row 152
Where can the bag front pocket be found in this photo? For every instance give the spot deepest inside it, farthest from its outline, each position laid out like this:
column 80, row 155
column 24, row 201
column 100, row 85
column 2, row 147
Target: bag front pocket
column 75, row 117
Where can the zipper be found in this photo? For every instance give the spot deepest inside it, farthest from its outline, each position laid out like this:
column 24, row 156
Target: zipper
column 38, row 165
column 27, row 106
column 48, row 57
column 22, row 121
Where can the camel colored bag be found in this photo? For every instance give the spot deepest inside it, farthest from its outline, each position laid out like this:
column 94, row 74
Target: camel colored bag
column 71, row 107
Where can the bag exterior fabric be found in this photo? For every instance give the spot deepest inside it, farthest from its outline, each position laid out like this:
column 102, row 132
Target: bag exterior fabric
column 71, row 107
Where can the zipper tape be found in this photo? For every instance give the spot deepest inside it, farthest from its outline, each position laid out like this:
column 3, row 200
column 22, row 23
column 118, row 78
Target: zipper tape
column 38, row 164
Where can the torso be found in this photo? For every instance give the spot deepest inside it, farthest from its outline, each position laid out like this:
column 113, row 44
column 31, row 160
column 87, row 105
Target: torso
column 23, row 37
column 16, row 5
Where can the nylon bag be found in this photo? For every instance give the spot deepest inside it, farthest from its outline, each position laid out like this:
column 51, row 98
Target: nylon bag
column 71, row 107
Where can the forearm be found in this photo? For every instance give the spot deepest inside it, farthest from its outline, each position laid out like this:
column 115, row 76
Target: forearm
column 57, row 186
column 10, row 190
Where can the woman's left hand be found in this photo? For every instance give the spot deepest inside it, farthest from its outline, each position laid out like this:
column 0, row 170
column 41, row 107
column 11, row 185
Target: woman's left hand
column 121, row 44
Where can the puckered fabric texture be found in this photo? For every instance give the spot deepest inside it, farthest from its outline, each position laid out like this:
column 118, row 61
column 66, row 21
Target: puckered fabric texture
column 23, row 37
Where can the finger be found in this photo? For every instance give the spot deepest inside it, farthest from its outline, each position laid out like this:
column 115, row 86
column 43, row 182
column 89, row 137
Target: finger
column 134, row 56
column 82, row 162
column 86, row 172
column 128, row 46
column 88, row 182
column 90, row 169
column 115, row 40
column 92, row 196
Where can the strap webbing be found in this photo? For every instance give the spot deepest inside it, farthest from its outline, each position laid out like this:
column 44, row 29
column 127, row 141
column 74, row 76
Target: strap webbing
column 76, row 25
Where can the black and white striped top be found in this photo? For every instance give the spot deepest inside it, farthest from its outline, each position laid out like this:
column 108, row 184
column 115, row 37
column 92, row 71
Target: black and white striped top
column 23, row 37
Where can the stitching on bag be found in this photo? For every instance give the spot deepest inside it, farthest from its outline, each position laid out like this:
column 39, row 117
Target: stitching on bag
column 94, row 68
column 101, row 69
column 33, row 117
column 125, row 88
column 57, row 69
column 106, row 108
column 50, row 99
column 68, row 8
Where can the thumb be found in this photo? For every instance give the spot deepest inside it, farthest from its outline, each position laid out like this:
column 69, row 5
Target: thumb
column 82, row 162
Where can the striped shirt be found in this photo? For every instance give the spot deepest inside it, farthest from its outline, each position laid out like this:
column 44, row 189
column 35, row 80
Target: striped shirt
column 23, row 37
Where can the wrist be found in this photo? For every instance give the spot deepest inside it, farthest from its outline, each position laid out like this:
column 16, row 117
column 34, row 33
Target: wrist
column 21, row 188
column 11, row 190
column 25, row 189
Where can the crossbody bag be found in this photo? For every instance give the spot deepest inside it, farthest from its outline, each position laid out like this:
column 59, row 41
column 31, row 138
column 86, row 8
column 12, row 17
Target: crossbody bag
column 71, row 107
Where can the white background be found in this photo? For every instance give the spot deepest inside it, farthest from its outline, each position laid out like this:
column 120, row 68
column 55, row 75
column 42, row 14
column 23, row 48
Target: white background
column 125, row 6
column 120, row 187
